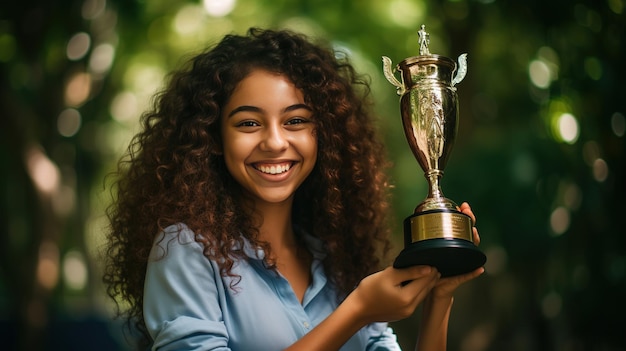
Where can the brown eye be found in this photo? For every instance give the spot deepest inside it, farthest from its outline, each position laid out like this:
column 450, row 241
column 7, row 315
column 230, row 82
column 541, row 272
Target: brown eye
column 297, row 120
column 247, row 124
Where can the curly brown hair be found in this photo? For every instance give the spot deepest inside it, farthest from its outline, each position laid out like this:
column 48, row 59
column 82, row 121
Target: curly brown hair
column 174, row 173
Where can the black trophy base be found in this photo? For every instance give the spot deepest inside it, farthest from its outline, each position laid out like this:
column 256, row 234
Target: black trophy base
column 450, row 256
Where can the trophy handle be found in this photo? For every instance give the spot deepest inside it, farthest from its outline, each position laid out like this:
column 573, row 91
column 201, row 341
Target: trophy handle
column 388, row 72
column 462, row 71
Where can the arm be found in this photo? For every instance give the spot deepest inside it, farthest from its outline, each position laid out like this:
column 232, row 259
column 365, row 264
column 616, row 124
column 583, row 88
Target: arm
column 433, row 330
column 379, row 297
column 181, row 309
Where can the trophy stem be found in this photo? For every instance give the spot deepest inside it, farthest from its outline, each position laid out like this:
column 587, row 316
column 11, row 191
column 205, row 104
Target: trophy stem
column 434, row 189
column 435, row 199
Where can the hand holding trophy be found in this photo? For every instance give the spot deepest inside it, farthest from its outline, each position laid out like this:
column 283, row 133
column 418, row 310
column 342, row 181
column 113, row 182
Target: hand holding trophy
column 437, row 233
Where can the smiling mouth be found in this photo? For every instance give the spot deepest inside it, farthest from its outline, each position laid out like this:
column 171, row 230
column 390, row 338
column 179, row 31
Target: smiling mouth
column 273, row 169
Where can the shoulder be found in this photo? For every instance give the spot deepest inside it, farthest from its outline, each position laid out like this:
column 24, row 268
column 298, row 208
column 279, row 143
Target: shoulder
column 178, row 260
column 175, row 238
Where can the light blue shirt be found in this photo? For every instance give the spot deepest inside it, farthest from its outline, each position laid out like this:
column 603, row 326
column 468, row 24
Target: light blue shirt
column 188, row 305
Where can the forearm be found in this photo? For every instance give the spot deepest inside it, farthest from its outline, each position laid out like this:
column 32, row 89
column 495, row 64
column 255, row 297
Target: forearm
column 334, row 331
column 382, row 296
column 433, row 331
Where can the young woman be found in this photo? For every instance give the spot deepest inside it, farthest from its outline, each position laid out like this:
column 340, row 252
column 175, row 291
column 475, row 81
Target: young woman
column 250, row 211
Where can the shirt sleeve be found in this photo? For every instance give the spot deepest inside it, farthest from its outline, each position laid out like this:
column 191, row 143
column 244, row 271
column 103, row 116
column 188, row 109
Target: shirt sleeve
column 181, row 295
column 381, row 338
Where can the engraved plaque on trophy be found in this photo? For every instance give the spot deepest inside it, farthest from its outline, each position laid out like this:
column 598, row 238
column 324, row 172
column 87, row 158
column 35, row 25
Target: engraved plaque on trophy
column 437, row 233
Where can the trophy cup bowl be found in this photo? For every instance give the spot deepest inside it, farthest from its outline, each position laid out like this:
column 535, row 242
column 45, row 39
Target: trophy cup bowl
column 437, row 233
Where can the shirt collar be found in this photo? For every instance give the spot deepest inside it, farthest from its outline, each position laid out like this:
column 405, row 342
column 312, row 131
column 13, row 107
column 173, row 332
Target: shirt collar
column 313, row 244
column 252, row 251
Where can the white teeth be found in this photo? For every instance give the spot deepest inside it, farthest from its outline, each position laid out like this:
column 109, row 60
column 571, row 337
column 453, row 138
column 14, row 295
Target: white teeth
column 274, row 169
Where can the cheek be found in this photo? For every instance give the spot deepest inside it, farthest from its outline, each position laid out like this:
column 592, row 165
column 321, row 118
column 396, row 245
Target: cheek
column 233, row 156
column 313, row 147
column 233, row 143
column 231, row 164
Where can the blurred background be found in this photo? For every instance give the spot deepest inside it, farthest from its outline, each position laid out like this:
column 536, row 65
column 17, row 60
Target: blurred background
column 540, row 152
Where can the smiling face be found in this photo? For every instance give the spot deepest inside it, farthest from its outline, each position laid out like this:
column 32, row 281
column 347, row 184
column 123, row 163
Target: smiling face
column 268, row 135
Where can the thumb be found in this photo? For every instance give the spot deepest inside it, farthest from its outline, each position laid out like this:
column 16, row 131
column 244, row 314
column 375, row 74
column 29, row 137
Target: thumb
column 409, row 274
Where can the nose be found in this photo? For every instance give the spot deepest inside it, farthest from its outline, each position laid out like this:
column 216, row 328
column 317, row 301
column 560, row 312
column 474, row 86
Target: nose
column 274, row 139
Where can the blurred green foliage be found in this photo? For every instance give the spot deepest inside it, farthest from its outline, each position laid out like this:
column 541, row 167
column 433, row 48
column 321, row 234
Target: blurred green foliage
column 540, row 152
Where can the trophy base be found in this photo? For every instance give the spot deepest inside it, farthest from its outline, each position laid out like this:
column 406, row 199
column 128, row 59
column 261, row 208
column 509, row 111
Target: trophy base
column 450, row 256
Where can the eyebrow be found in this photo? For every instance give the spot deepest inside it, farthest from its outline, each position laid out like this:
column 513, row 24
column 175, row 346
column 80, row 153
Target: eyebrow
column 248, row 108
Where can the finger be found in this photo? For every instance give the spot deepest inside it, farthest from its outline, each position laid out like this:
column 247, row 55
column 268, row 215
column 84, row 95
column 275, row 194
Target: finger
column 476, row 236
column 471, row 275
column 460, row 279
column 404, row 275
column 421, row 292
column 466, row 209
column 465, row 206
column 447, row 286
column 424, row 282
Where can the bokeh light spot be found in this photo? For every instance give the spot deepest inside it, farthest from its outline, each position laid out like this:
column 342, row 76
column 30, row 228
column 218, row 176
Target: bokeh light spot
column 124, row 107
column 44, row 173
column 478, row 337
column 78, row 89
column 48, row 265
column 572, row 196
column 68, row 122
column 616, row 6
column 551, row 305
column 544, row 70
column 550, row 57
column 219, row 8
column 74, row 270
column 64, row 201
column 101, row 58
column 618, row 124
column 93, row 8
column 188, row 19
column 559, row 220
column 406, row 13
column 591, row 152
column 7, row 47
column 600, row 170
column 78, row 46
column 568, row 128
column 144, row 77
column 593, row 68
column 539, row 74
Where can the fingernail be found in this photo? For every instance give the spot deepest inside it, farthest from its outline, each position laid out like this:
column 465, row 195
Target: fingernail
column 425, row 270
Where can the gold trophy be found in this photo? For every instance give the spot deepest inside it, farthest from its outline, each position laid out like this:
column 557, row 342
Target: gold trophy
column 437, row 233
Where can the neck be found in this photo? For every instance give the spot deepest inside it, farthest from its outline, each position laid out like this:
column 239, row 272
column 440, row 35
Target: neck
column 275, row 225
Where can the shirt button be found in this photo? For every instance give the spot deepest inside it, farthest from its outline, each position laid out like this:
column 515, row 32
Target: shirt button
column 306, row 325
